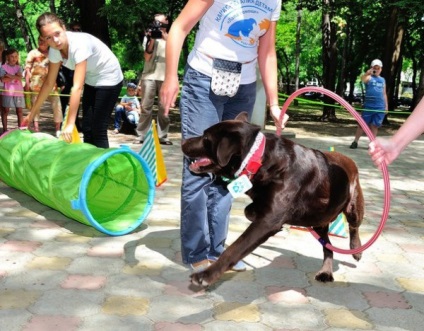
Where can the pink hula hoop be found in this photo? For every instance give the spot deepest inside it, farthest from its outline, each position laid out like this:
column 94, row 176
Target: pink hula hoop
column 384, row 169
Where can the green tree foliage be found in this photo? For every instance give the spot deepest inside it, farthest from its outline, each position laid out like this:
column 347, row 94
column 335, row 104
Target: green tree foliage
column 129, row 20
column 361, row 30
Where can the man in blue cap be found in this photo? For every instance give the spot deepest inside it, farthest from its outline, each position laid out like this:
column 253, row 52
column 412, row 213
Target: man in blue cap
column 375, row 105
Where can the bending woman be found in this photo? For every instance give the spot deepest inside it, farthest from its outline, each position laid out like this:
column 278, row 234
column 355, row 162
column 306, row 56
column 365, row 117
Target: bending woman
column 97, row 73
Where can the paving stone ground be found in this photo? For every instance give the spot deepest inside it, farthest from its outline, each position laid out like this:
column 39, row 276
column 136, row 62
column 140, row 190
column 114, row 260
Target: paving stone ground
column 58, row 274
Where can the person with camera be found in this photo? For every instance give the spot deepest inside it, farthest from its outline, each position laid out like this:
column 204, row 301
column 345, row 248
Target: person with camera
column 152, row 78
column 375, row 105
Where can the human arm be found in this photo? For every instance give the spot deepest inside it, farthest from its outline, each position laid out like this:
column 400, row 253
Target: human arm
column 267, row 61
column 137, row 104
column 29, row 63
column 148, row 50
column 387, row 150
column 45, row 90
column 75, row 99
column 19, row 74
column 367, row 75
column 4, row 76
column 27, row 78
column 386, row 102
column 189, row 16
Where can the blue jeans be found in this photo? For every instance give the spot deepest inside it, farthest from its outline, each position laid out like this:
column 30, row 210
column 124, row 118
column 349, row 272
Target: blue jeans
column 97, row 106
column 122, row 115
column 205, row 203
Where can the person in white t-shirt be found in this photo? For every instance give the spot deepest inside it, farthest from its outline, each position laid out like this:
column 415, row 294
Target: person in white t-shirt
column 234, row 37
column 97, row 77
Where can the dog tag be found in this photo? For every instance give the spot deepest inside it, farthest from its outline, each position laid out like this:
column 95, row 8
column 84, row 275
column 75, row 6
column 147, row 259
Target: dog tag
column 239, row 186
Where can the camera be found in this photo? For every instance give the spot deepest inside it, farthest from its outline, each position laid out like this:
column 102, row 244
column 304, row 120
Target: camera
column 155, row 29
column 374, row 72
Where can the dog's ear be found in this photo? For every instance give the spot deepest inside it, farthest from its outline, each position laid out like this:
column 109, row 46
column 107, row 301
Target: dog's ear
column 242, row 117
column 225, row 151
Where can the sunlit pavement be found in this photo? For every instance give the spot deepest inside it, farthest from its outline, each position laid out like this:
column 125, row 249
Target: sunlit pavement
column 58, row 274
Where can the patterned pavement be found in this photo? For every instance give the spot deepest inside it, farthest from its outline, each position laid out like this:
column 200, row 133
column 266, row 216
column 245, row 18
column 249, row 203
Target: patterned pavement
column 58, row 274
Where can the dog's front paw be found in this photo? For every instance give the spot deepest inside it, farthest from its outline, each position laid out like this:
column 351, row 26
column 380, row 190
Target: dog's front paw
column 324, row 277
column 200, row 279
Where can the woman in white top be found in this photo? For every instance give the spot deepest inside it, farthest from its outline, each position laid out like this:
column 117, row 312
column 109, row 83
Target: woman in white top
column 98, row 77
column 234, row 37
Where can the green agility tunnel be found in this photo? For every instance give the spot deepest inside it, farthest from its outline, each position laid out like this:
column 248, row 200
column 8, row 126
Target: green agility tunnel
column 109, row 189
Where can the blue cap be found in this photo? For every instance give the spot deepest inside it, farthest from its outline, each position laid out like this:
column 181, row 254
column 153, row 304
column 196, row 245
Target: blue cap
column 131, row 85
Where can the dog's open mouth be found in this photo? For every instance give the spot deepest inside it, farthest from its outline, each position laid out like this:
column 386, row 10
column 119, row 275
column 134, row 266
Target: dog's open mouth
column 197, row 164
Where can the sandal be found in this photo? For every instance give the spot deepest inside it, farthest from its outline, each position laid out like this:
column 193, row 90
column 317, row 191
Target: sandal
column 165, row 142
column 239, row 266
column 200, row 266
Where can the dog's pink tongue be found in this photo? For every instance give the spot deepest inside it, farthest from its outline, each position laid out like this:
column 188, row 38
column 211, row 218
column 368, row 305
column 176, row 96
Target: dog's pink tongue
column 203, row 162
column 199, row 163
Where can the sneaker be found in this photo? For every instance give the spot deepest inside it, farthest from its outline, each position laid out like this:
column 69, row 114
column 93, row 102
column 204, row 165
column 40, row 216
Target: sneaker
column 199, row 266
column 239, row 266
column 354, row 145
column 116, row 131
column 58, row 133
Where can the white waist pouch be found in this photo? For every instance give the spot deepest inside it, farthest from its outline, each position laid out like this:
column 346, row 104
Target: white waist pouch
column 226, row 76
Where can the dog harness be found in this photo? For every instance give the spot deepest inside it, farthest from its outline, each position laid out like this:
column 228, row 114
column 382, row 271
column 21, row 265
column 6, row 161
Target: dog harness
column 253, row 160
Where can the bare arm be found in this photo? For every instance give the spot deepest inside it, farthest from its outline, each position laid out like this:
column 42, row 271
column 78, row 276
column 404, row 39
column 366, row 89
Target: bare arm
column 27, row 78
column 366, row 76
column 387, row 150
column 148, row 52
column 386, row 107
column 28, row 67
column 189, row 16
column 75, row 99
column 267, row 61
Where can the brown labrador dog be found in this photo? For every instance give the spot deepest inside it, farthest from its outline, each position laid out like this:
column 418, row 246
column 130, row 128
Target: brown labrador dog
column 294, row 185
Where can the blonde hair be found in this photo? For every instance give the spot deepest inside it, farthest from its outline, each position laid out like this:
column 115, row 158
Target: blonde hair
column 48, row 18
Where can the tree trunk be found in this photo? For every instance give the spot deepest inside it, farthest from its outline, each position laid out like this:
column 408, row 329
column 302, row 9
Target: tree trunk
column 392, row 53
column 420, row 90
column 341, row 84
column 329, row 56
column 22, row 25
column 52, row 6
column 297, row 55
column 91, row 20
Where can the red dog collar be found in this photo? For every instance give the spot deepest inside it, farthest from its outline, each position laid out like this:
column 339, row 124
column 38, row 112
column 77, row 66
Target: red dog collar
column 253, row 160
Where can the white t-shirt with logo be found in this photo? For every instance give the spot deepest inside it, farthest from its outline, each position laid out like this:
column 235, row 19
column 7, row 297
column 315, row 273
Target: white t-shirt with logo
column 230, row 30
column 103, row 67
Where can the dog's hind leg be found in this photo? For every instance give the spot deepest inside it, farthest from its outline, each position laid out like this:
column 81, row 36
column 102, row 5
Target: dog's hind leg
column 354, row 213
column 325, row 274
column 355, row 241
